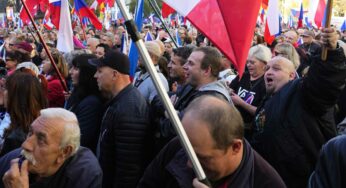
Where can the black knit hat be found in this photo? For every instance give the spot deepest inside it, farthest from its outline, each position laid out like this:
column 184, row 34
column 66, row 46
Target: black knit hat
column 113, row 59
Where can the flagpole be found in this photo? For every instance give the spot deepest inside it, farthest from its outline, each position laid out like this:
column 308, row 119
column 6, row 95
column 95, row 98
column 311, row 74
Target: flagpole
column 154, row 6
column 45, row 46
column 132, row 29
column 327, row 25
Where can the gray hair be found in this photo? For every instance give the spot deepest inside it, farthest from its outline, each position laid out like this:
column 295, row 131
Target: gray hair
column 260, row 52
column 71, row 135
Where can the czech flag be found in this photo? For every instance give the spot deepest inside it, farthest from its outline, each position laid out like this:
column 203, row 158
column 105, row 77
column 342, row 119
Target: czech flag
column 229, row 17
column 53, row 13
column 301, row 15
column 317, row 11
column 84, row 11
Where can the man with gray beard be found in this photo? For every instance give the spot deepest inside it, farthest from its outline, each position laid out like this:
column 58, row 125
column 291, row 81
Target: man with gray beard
column 51, row 156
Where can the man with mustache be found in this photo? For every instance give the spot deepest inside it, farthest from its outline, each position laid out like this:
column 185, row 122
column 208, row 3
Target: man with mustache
column 53, row 156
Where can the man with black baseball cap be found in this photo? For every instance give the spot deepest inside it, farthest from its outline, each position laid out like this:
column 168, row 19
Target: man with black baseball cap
column 125, row 137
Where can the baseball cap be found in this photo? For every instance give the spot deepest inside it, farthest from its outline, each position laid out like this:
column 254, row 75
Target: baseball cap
column 113, row 59
column 308, row 33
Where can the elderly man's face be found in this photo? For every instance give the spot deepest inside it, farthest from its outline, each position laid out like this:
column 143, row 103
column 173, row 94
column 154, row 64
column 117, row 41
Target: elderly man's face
column 42, row 147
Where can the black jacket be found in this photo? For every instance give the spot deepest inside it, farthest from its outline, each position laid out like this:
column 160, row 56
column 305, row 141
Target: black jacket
column 295, row 122
column 80, row 170
column 331, row 167
column 125, row 139
column 89, row 114
column 169, row 170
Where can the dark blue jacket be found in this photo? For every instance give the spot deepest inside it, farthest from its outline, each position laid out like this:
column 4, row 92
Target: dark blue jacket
column 295, row 122
column 126, row 139
column 80, row 170
column 89, row 114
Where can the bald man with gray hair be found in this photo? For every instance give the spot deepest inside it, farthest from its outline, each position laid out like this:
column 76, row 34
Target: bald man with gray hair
column 297, row 116
column 51, row 156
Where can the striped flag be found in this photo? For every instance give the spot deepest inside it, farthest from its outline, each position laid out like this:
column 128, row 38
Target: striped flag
column 301, row 15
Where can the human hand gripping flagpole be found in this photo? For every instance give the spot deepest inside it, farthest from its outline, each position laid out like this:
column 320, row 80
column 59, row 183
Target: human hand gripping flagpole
column 132, row 30
column 329, row 9
column 45, row 46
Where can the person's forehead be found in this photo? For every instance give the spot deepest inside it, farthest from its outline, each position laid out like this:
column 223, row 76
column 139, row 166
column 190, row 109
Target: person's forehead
column 196, row 56
column 48, row 127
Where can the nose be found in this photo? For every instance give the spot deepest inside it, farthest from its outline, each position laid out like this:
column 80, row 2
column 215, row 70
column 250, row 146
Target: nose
column 27, row 144
column 95, row 75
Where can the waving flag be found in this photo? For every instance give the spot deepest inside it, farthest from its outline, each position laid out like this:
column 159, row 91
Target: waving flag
column 124, row 41
column 148, row 37
column 83, row 11
column 178, row 39
column 229, row 17
column 133, row 54
column 301, row 15
column 33, row 7
column 52, row 15
column 343, row 26
column 272, row 27
column 262, row 15
column 290, row 22
column 166, row 10
column 316, row 11
column 65, row 34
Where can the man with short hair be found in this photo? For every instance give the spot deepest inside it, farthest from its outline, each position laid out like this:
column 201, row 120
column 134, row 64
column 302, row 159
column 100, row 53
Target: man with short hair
column 297, row 116
column 202, row 71
column 125, row 143
column 92, row 44
column 226, row 157
column 108, row 38
column 53, row 157
column 143, row 80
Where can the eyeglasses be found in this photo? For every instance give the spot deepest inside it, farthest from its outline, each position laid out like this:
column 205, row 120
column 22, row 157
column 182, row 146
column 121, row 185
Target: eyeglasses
column 9, row 59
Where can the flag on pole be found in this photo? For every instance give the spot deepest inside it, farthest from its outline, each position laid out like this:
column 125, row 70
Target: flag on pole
column 343, row 26
column 290, row 22
column 177, row 38
column 123, row 48
column 133, row 54
column 65, row 34
column 53, row 13
column 84, row 11
column 272, row 27
column 316, row 11
column 262, row 15
column 301, row 15
column 166, row 10
column 229, row 17
column 148, row 37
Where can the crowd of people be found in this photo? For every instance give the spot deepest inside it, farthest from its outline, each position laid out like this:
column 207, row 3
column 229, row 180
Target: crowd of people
column 90, row 123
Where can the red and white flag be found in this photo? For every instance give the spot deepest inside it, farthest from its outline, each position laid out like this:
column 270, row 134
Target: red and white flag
column 316, row 12
column 229, row 24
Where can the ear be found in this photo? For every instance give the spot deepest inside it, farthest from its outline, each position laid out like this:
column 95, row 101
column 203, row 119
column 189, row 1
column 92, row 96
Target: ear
column 236, row 146
column 207, row 71
column 292, row 75
column 64, row 154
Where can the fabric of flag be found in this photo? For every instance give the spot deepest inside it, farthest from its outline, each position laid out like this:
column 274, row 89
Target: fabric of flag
column 221, row 22
column 262, row 15
column 123, row 48
column 133, row 52
column 267, row 36
column 316, row 11
column 301, row 15
column 166, row 10
column 65, row 34
column 84, row 11
column 148, row 37
column 54, row 12
column 343, row 26
column 47, row 21
column 94, row 5
column 33, row 7
column 264, row 4
column 290, row 22
column 178, row 39
column 307, row 23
